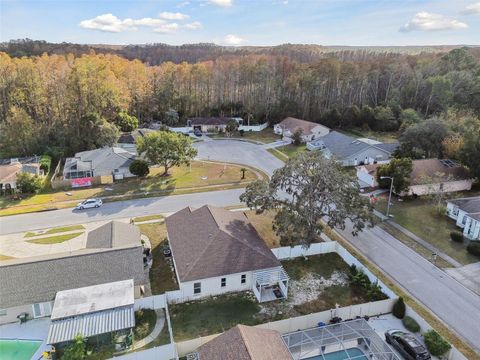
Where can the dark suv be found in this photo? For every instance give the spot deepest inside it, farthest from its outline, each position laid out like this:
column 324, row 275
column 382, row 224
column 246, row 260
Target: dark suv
column 407, row 345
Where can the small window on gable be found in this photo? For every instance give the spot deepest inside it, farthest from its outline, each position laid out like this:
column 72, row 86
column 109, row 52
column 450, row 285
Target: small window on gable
column 243, row 279
column 223, row 282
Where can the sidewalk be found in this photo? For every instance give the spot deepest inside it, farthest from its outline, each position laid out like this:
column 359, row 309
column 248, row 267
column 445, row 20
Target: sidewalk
column 419, row 240
column 155, row 332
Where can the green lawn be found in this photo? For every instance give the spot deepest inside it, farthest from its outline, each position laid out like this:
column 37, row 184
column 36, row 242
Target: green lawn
column 56, row 230
column 278, row 154
column 162, row 339
column 212, row 315
column 418, row 216
column 147, row 218
column 145, row 320
column 265, row 136
column 161, row 276
column 200, row 174
column 292, row 150
column 55, row 239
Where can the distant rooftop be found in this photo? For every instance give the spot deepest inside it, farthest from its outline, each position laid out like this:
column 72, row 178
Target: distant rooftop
column 469, row 205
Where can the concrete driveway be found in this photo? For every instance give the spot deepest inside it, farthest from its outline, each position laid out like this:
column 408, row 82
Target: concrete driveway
column 240, row 152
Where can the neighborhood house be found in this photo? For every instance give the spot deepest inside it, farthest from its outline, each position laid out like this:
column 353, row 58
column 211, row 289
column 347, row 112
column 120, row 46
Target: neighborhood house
column 128, row 141
column 352, row 152
column 309, row 130
column 211, row 124
column 11, row 167
column 217, row 251
column 466, row 213
column 114, row 252
column 113, row 161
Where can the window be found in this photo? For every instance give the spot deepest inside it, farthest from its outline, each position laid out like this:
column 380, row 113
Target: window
column 197, row 288
column 42, row 309
column 243, row 279
column 223, row 282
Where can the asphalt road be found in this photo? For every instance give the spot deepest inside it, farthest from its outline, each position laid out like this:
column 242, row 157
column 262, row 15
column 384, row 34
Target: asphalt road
column 457, row 306
column 117, row 209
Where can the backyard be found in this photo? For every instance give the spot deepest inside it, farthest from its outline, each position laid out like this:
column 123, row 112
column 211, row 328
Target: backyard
column 181, row 179
column 263, row 224
column 419, row 216
column 162, row 277
column 316, row 284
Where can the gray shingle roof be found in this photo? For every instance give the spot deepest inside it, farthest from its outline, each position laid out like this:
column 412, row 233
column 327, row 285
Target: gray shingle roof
column 103, row 161
column 469, row 205
column 32, row 280
column 113, row 234
column 209, row 242
column 245, row 343
column 343, row 146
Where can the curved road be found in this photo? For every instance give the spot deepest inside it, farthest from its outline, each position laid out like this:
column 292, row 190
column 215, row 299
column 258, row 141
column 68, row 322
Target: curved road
column 457, row 306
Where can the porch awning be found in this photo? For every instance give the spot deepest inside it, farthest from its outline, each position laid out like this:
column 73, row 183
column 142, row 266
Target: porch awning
column 270, row 276
column 91, row 324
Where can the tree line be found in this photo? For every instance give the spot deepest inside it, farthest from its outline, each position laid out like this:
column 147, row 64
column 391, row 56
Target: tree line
column 65, row 103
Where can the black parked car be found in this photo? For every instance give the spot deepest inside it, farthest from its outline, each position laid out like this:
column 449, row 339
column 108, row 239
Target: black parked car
column 197, row 132
column 407, row 345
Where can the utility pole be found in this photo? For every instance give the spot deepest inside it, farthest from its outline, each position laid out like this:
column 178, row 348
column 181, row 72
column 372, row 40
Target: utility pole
column 390, row 194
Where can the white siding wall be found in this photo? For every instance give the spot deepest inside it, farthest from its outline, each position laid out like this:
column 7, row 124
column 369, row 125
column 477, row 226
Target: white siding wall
column 212, row 286
column 363, row 175
column 472, row 228
column 450, row 186
column 451, row 209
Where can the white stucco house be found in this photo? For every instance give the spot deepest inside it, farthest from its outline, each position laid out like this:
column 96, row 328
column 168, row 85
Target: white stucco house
column 310, row 130
column 466, row 213
column 217, row 251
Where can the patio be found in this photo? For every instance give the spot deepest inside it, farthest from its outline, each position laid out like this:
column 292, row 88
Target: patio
column 271, row 284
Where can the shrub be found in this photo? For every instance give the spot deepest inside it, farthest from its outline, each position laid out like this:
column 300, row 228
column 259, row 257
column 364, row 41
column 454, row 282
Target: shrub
column 474, row 248
column 139, row 168
column 456, row 236
column 75, row 350
column 399, row 309
column 435, row 343
column 28, row 183
column 45, row 163
column 411, row 324
column 241, row 132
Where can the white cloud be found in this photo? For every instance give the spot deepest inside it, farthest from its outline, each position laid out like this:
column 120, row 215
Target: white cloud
column 105, row 22
column 424, row 21
column 173, row 16
column 148, row 22
column 167, row 28
column 194, row 25
column 223, row 3
column 472, row 9
column 231, row 39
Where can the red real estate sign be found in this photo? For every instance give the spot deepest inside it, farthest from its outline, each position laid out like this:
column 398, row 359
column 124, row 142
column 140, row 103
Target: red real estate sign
column 82, row 182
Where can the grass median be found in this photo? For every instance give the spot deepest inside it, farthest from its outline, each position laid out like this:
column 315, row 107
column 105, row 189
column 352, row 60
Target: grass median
column 57, row 239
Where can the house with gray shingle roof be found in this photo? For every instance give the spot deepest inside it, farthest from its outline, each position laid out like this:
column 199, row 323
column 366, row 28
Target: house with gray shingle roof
column 29, row 285
column 350, row 151
column 217, row 251
column 112, row 161
column 466, row 213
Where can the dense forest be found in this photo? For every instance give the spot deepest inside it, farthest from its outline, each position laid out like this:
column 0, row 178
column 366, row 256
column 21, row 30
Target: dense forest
column 62, row 103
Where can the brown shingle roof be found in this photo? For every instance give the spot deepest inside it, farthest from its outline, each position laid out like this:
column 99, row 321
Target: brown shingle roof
column 293, row 124
column 436, row 169
column 245, row 343
column 209, row 242
column 9, row 172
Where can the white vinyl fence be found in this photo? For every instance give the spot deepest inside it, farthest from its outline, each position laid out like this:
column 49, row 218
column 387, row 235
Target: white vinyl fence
column 303, row 322
column 164, row 352
column 151, row 302
column 253, row 127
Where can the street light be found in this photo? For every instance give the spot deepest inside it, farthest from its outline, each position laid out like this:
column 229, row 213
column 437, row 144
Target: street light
column 390, row 195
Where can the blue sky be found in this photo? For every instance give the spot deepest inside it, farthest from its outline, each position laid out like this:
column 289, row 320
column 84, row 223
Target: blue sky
column 244, row 22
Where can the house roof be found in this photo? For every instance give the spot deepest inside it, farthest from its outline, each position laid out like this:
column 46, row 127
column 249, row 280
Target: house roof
column 8, row 173
column 102, row 161
column 209, row 120
column 38, row 279
column 21, row 160
column 469, row 205
column 113, row 234
column 93, row 298
column 439, row 170
column 210, row 241
column 245, row 343
column 130, row 138
column 293, row 124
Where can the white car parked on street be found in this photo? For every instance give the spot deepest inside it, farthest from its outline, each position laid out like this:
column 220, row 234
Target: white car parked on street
column 89, row 203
